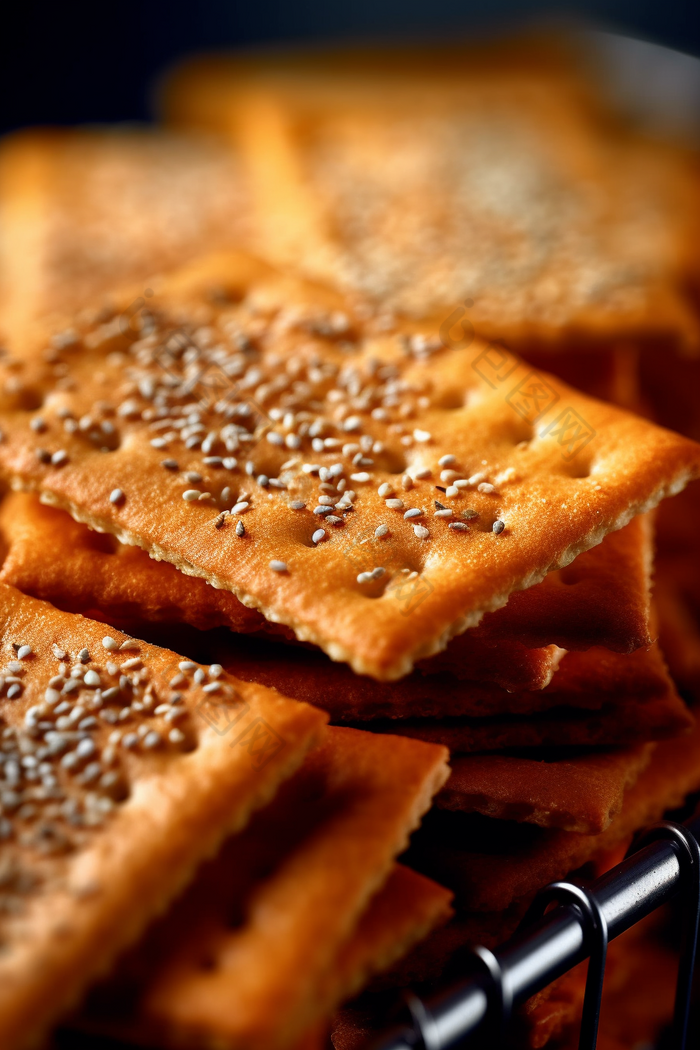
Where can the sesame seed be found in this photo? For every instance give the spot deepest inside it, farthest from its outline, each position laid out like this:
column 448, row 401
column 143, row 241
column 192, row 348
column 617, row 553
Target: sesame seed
column 448, row 476
column 263, row 480
column 187, row 666
column 333, row 520
column 129, row 740
column 37, row 424
column 458, row 526
column 86, row 748
column 91, row 678
column 230, row 462
column 24, row 651
column 319, row 536
column 386, row 491
column 109, row 643
column 193, row 476
column 452, row 491
column 190, row 495
column 176, row 736
column 485, row 487
column 394, row 504
column 382, row 530
column 241, row 507
column 240, row 528
column 152, row 739
column 361, row 477
column 447, row 461
column 215, row 670
column 129, row 644
column 327, row 500
column 422, row 473
column 220, row 520
column 413, row 512
column 297, row 504
column 476, row 479
column 498, row 526
column 84, row 656
column 14, row 691
column 278, row 566
column 461, row 483
column 211, row 687
column 322, row 509
column 377, row 573
column 42, row 455
column 407, row 482
column 445, row 513
column 59, row 458
column 59, row 653
column 169, row 464
column 421, row 532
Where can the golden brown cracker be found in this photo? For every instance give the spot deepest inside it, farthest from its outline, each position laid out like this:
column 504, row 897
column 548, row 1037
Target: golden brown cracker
column 82, row 210
column 582, row 793
column 275, row 916
column 555, row 494
column 500, row 863
column 485, row 184
column 124, row 767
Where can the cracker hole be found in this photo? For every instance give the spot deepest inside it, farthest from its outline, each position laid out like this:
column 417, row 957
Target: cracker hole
column 27, row 398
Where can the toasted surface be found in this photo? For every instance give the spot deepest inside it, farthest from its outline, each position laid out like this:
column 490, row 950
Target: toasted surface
column 109, row 832
column 488, row 180
column 276, row 914
column 594, row 680
column 583, row 792
column 602, row 598
column 503, row 863
column 557, row 494
column 82, row 210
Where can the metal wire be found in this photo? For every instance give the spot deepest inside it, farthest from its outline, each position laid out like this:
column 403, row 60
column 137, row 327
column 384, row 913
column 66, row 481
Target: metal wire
column 665, row 862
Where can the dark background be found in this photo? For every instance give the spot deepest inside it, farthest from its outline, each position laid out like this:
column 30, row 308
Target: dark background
column 73, row 62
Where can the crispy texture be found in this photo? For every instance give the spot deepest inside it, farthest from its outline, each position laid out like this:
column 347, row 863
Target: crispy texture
column 553, row 507
column 602, row 598
column 507, row 863
column 275, row 916
column 67, row 914
column 581, row 793
column 592, row 680
column 83, row 210
column 417, row 187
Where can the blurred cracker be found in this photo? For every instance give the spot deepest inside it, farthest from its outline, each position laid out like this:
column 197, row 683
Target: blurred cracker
column 582, row 793
column 502, row 863
column 495, row 180
column 87, row 863
column 556, row 498
column 295, row 912
column 82, row 210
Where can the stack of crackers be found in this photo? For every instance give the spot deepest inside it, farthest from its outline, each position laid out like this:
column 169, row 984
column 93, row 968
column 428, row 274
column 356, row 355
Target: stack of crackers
column 300, row 504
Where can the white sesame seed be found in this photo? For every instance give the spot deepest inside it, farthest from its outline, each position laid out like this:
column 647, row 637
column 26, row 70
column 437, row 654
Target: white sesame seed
column 407, row 482
column 193, row 476
column 476, row 479
column 462, row 483
column 133, row 664
column 278, row 566
column 152, row 739
column 413, row 512
column 37, row 424
column 129, row 740
column 361, row 477
column 333, row 520
column 116, row 496
column 498, row 526
column 129, row 644
column 211, row 687
column 485, row 487
column 52, row 696
column 230, row 462
column 364, row 577
column 297, row 504
column 59, row 458
column 215, row 670
column 377, row 573
column 59, row 653
column 274, row 438
column 381, row 530
column 86, row 748
column 452, row 491
column 241, row 507
column 319, row 536
column 458, row 526
column 422, row 473
column 422, row 435
column 446, row 513
column 263, row 480
column 448, row 476
column 447, row 461
column 394, row 504
column 24, row 651
column 327, row 500
column 187, row 666
column 176, row 736
column 190, row 495
column 386, row 491
column 109, row 643
column 421, row 532
column 91, row 678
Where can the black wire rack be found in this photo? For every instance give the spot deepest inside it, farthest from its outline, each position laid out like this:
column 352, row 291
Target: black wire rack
column 665, row 863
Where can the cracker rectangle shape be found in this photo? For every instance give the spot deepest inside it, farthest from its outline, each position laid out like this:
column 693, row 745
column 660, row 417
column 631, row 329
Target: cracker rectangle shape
column 506, row 170
column 100, row 836
column 499, row 863
column 558, row 483
column 276, row 912
column 581, row 792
